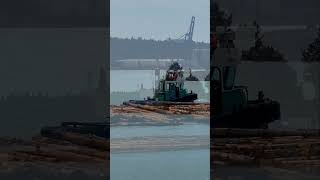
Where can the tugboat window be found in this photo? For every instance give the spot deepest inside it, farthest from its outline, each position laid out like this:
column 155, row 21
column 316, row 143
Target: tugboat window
column 216, row 78
column 215, row 74
column 229, row 77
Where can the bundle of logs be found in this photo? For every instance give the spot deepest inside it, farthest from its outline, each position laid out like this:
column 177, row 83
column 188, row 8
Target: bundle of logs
column 173, row 107
column 66, row 147
column 171, row 114
column 159, row 114
column 276, row 148
column 261, row 148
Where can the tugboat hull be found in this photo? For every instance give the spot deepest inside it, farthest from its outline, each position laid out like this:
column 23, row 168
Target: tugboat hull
column 256, row 116
column 187, row 98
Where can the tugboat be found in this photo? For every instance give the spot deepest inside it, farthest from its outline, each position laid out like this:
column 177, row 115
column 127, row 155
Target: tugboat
column 260, row 52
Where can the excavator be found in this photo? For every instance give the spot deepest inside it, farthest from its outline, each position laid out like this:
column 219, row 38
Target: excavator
column 230, row 107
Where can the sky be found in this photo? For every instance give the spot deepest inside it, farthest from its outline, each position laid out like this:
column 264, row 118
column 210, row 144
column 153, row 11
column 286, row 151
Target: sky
column 159, row 19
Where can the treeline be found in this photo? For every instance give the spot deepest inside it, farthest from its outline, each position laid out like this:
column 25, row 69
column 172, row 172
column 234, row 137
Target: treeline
column 312, row 52
column 139, row 48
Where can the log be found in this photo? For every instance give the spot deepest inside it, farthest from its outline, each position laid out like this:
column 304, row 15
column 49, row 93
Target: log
column 277, row 173
column 82, row 140
column 233, row 158
column 161, row 103
column 23, row 156
column 145, row 111
column 88, row 141
column 149, row 108
column 90, row 153
column 296, row 158
column 61, row 156
column 237, row 133
column 300, row 162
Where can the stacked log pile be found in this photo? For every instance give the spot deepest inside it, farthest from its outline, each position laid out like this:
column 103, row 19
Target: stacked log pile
column 260, row 148
column 68, row 147
column 51, row 158
column 285, row 149
column 199, row 109
column 169, row 114
column 174, row 107
column 126, row 115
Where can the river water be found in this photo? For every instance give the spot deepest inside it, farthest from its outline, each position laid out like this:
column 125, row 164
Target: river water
column 190, row 129
column 165, row 165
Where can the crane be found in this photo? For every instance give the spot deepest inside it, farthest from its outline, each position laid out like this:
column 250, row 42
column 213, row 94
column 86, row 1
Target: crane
column 189, row 35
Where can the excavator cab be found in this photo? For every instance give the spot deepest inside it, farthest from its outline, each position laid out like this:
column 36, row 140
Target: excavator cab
column 226, row 97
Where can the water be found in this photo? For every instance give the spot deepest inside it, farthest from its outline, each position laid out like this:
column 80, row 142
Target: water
column 130, row 80
column 192, row 129
column 169, row 165
column 176, row 165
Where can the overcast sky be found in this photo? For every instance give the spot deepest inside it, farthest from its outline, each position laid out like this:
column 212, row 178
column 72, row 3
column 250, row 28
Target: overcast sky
column 159, row 19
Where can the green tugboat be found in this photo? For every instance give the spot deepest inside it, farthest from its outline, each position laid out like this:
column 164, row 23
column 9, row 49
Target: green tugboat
column 170, row 89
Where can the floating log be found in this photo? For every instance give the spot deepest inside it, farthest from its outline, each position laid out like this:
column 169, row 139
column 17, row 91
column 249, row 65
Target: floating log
column 87, row 140
column 230, row 133
column 149, row 108
column 174, row 108
column 233, row 158
column 61, row 156
column 91, row 153
column 278, row 148
column 80, row 139
column 23, row 156
column 162, row 103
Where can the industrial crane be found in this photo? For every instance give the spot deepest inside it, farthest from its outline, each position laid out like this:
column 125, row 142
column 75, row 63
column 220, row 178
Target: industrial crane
column 189, row 35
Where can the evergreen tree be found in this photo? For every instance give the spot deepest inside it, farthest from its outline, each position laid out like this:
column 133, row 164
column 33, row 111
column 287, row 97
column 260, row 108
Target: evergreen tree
column 312, row 53
column 220, row 17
